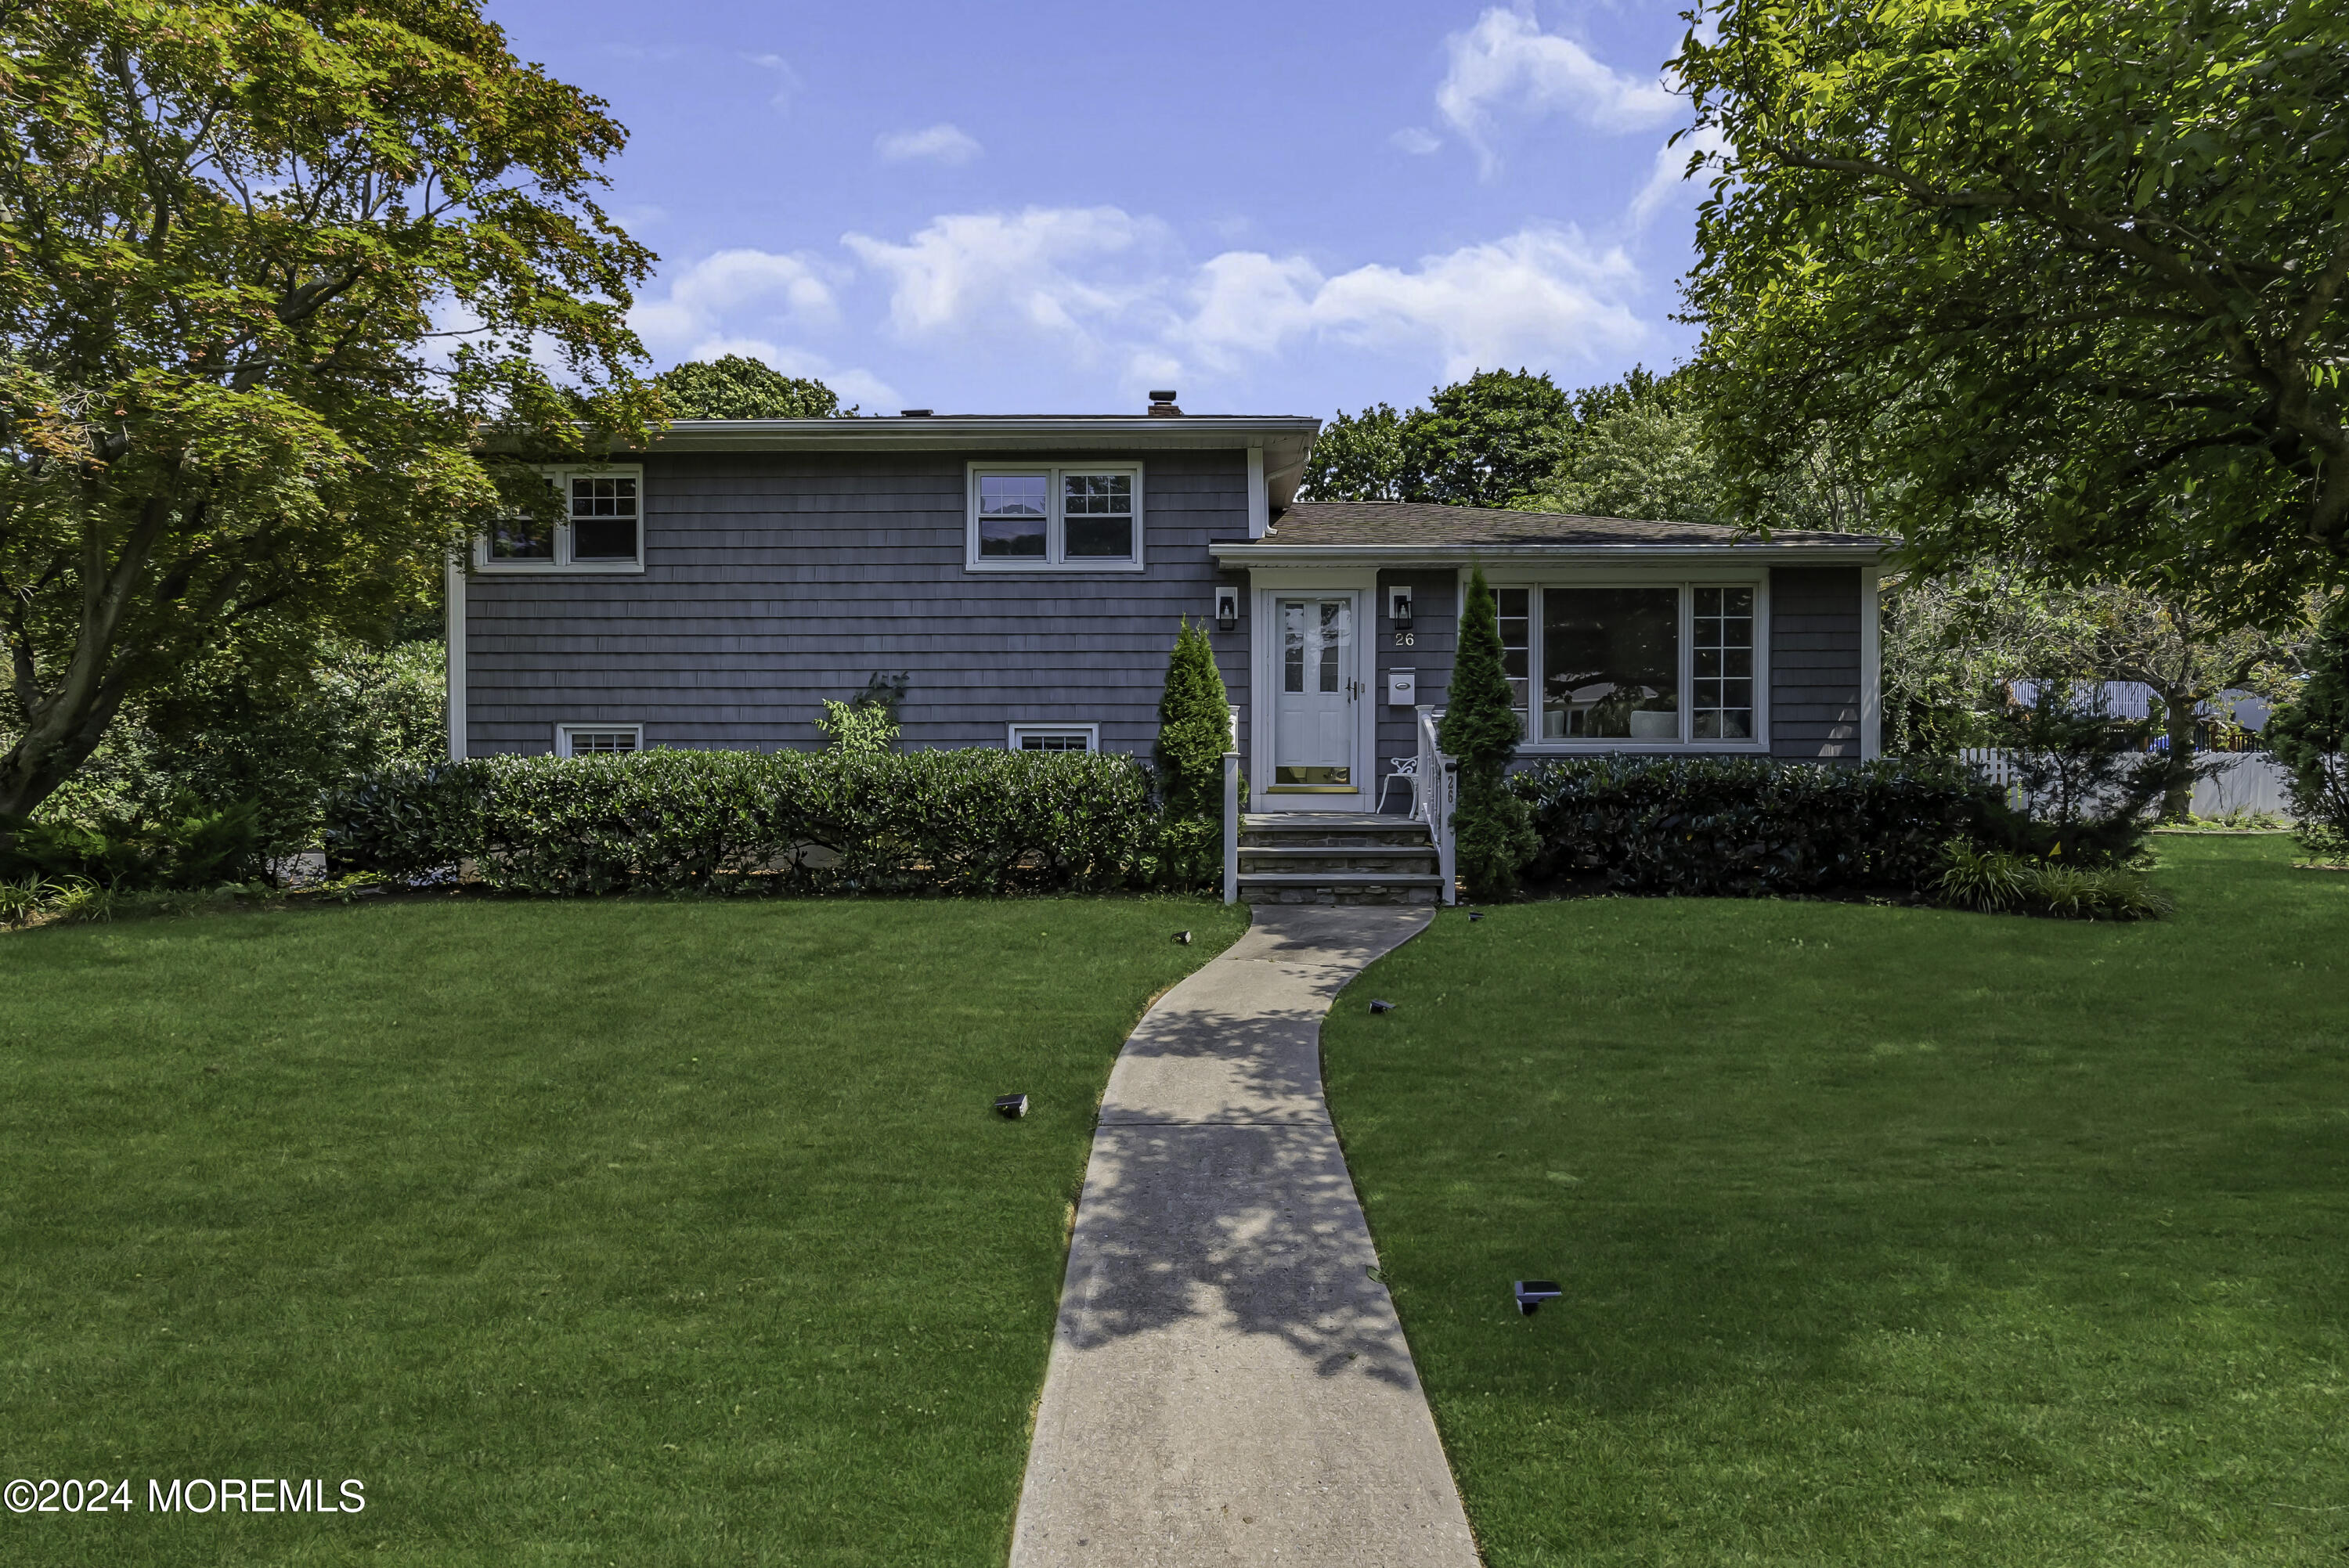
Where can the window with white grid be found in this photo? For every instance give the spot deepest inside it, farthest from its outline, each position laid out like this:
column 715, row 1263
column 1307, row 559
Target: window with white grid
column 592, row 521
column 1055, row 738
column 599, row 739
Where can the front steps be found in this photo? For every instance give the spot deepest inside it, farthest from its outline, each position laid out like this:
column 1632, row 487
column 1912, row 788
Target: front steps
column 1330, row 857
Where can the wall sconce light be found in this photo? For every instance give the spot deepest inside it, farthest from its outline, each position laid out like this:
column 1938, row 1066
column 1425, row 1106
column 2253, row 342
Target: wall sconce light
column 1399, row 608
column 1532, row 1293
column 1228, row 609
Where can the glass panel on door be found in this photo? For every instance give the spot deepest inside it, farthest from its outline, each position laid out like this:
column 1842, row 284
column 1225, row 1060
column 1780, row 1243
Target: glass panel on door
column 1313, row 730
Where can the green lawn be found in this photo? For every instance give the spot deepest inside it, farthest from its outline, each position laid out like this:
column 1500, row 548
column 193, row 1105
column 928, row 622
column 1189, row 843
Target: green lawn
column 623, row 1231
column 1888, row 1236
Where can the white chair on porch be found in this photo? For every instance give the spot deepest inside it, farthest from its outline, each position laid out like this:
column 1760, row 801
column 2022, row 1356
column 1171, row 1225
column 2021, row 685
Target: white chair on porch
column 1405, row 768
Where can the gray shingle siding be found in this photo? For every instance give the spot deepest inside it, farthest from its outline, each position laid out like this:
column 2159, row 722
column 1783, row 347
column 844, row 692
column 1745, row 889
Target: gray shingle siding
column 773, row 580
column 1815, row 643
column 1435, row 619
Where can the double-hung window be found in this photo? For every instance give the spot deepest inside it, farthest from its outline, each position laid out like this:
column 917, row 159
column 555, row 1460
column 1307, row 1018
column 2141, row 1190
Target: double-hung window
column 1606, row 665
column 1049, row 517
column 590, row 521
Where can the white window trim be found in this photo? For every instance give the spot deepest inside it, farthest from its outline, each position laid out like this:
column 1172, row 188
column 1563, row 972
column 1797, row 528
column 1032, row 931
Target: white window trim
column 1013, row 734
column 559, row 475
column 1687, row 581
column 1052, row 561
column 564, row 732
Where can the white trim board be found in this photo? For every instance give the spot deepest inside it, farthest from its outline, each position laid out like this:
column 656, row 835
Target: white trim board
column 452, row 633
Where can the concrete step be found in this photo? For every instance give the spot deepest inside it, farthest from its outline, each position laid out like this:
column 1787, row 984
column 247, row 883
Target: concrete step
column 1339, row 887
column 1337, row 857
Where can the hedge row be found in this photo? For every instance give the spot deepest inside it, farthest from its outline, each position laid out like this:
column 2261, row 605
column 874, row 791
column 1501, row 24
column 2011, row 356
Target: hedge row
column 951, row 821
column 1748, row 826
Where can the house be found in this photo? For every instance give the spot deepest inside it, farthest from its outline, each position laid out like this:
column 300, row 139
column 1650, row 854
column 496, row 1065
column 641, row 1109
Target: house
column 1027, row 574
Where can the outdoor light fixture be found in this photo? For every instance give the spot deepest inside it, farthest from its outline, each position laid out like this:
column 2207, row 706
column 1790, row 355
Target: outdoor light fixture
column 1475, row 914
column 1011, row 1107
column 1228, row 609
column 1532, row 1293
column 1184, row 937
column 1380, row 1006
column 1399, row 608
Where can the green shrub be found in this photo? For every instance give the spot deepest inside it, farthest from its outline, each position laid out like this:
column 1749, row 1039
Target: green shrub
column 2310, row 736
column 1998, row 882
column 1493, row 837
column 2088, row 784
column 190, row 849
column 1749, row 826
column 1972, row 877
column 950, row 821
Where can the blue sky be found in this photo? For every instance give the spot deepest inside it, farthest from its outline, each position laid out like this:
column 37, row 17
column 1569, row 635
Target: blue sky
column 1052, row 207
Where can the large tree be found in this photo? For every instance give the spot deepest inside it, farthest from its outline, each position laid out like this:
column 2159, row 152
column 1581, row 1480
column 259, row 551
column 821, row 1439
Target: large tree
column 2067, row 273
column 269, row 276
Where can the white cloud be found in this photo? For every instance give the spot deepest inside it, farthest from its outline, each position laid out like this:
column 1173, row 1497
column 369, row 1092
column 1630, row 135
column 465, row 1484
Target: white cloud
column 1669, row 176
column 856, row 386
column 1415, row 140
column 1098, row 284
column 1507, row 66
column 787, row 80
column 1070, row 272
column 942, row 143
column 1540, row 297
column 792, row 287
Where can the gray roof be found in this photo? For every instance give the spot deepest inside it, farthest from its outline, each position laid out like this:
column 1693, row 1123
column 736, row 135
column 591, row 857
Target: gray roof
column 1421, row 525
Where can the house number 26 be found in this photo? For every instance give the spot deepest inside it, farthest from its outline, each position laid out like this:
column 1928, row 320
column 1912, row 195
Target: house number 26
column 1404, row 640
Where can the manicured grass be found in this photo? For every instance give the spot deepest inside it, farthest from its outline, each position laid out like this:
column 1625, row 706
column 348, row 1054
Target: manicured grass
column 621, row 1232
column 1888, row 1236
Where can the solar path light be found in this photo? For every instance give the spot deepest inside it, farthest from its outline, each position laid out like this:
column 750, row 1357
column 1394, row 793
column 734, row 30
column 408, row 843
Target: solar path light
column 1381, row 1004
column 1011, row 1107
column 1532, row 1293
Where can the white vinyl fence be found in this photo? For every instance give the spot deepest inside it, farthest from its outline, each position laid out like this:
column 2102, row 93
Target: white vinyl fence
column 2231, row 780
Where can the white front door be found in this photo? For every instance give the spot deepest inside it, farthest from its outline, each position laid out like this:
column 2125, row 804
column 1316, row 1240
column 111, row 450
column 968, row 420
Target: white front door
column 1318, row 690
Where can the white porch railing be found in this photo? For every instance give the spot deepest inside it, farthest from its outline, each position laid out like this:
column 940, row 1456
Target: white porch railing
column 1232, row 826
column 1434, row 793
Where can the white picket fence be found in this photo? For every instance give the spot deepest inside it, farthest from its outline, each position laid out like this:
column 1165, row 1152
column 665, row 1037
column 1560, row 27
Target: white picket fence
column 2240, row 782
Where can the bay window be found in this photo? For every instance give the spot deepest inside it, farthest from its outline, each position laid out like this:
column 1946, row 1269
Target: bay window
column 1637, row 664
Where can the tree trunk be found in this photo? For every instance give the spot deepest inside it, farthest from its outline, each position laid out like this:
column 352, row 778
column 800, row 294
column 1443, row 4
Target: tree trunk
column 2178, row 712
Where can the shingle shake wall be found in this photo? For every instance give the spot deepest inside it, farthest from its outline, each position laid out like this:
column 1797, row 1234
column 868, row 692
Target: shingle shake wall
column 1814, row 662
column 773, row 580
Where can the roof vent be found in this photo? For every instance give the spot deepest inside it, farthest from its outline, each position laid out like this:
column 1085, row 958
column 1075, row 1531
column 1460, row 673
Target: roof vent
column 913, row 413
column 1162, row 405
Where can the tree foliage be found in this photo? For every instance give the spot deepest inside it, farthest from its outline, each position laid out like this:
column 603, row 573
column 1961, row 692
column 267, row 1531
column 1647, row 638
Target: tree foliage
column 1482, row 441
column 1357, row 457
column 2067, row 275
column 734, row 386
column 269, row 273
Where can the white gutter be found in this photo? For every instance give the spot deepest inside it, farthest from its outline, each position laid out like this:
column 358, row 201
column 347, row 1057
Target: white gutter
column 1277, row 554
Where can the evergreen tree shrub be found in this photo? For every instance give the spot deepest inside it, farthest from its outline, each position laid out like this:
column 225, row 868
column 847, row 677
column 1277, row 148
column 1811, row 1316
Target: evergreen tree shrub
column 1492, row 826
column 1194, row 730
column 2310, row 738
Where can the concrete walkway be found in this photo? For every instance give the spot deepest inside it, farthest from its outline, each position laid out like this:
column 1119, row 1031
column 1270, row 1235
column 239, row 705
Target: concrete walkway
column 1227, row 1384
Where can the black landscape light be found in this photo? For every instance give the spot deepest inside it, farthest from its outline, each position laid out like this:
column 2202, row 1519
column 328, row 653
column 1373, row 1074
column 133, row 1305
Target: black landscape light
column 1532, row 1293
column 1380, row 1005
column 1011, row 1107
column 1184, row 937
column 1475, row 914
